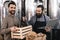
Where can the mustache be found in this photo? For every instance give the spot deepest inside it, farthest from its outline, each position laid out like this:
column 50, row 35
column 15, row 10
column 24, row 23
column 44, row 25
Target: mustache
column 12, row 10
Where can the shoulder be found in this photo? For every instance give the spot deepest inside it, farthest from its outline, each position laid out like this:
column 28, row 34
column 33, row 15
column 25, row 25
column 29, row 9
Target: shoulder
column 47, row 18
column 16, row 18
column 6, row 17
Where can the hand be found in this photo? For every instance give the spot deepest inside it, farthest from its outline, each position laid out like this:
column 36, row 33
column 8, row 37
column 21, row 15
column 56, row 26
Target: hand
column 13, row 29
column 24, row 18
column 48, row 29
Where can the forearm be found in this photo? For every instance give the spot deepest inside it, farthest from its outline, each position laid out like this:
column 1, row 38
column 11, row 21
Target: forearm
column 5, row 30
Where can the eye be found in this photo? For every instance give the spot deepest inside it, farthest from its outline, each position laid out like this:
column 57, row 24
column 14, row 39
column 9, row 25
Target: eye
column 11, row 7
column 38, row 10
column 14, row 7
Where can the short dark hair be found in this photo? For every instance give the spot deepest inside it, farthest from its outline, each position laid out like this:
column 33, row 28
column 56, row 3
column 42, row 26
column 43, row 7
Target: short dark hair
column 40, row 6
column 11, row 2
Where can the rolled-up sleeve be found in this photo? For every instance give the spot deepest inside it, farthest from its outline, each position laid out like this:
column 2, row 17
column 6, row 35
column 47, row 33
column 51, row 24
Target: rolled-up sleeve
column 4, row 27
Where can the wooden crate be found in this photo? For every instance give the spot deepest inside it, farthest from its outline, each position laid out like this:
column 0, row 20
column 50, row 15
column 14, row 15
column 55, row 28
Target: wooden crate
column 21, row 32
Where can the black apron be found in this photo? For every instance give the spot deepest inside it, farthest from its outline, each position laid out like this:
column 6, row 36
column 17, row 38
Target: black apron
column 39, row 24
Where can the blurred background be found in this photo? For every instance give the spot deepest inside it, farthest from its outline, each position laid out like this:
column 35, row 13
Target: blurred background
column 27, row 8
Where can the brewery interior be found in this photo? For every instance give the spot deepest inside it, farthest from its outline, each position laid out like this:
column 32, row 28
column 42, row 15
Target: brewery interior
column 27, row 8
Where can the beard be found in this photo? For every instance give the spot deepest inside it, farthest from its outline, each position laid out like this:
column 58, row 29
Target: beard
column 12, row 12
column 38, row 15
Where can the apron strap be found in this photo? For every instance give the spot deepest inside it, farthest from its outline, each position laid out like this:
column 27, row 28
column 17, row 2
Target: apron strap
column 44, row 18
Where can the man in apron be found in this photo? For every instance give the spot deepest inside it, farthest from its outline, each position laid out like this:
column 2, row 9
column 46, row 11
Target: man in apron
column 39, row 20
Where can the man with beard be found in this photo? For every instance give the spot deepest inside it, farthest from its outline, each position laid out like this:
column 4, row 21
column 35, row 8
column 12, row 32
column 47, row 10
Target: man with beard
column 39, row 20
column 10, row 22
